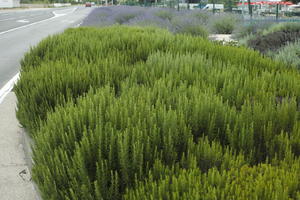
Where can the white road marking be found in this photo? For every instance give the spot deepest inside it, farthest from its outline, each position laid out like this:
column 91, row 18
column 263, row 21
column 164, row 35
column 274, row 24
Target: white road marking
column 8, row 87
column 23, row 21
column 34, row 23
column 4, row 91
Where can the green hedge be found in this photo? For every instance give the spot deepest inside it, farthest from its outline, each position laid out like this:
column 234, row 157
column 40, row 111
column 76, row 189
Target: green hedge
column 104, row 49
column 259, row 182
column 112, row 110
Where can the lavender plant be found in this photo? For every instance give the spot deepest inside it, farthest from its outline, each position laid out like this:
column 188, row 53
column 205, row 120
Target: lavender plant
column 193, row 23
column 202, row 16
column 166, row 14
column 189, row 25
column 250, row 28
column 223, row 23
column 290, row 54
column 151, row 20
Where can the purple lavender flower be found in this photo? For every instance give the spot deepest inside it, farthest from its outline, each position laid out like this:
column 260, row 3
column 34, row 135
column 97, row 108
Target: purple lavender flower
column 188, row 22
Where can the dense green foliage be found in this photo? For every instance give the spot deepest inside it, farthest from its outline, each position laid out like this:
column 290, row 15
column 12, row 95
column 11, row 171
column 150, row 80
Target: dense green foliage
column 224, row 24
column 251, row 28
column 259, row 182
column 290, row 54
column 139, row 113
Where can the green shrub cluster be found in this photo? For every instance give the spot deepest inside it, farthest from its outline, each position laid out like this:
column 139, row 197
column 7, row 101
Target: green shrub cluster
column 224, row 24
column 259, row 182
column 289, row 54
column 122, row 18
column 165, row 14
column 139, row 113
column 189, row 27
column 247, row 29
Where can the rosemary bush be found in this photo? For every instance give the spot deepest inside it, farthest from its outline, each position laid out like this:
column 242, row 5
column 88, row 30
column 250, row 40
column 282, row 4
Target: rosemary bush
column 245, row 183
column 140, row 113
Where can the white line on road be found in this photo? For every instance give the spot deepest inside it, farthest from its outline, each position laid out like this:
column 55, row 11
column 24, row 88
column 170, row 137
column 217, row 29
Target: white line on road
column 8, row 87
column 34, row 23
column 23, row 21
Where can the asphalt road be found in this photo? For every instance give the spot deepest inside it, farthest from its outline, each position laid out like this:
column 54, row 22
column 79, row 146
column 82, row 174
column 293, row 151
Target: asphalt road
column 9, row 20
column 20, row 30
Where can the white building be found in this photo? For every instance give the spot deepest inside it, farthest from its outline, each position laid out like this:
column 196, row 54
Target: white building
column 9, row 3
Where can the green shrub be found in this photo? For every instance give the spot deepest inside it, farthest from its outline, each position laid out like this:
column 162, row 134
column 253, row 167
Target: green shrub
column 224, row 24
column 290, row 54
column 261, row 182
column 286, row 27
column 164, row 14
column 103, row 138
column 114, row 111
column 251, row 28
column 74, row 48
column 194, row 30
column 190, row 27
column 74, row 52
column 203, row 17
column 125, row 17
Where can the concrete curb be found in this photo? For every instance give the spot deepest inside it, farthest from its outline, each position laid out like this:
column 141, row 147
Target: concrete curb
column 15, row 156
column 27, row 144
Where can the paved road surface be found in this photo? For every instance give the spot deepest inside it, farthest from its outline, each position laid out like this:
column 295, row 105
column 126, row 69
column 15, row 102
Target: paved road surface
column 9, row 20
column 19, row 30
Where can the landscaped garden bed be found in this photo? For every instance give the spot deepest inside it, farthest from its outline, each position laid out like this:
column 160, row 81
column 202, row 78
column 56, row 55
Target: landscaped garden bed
column 140, row 113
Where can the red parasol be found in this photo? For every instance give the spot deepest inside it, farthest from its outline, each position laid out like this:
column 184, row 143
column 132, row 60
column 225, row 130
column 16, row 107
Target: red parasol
column 267, row 3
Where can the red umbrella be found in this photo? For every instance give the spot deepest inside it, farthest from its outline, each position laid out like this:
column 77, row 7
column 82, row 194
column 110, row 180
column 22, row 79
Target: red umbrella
column 280, row 2
column 268, row 3
column 287, row 3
